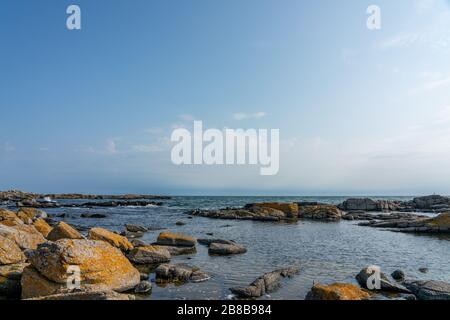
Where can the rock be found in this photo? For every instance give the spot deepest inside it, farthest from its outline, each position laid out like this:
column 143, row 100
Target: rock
column 180, row 273
column 25, row 236
column 135, row 228
column 179, row 251
column 10, row 252
column 63, row 231
column 112, row 238
column 320, row 212
column 86, row 296
column 337, row 291
column 175, row 239
column 132, row 235
column 102, row 267
column 359, row 204
column 289, row 209
column 207, row 242
column 138, row 243
column 180, row 223
column 10, row 276
column 144, row 287
column 144, row 276
column 149, row 255
column 398, row 275
column 429, row 290
column 31, row 214
column 255, row 213
column 429, row 201
column 267, row 283
column 222, row 249
column 7, row 215
column 42, row 226
column 94, row 215
column 385, row 283
column 424, row 270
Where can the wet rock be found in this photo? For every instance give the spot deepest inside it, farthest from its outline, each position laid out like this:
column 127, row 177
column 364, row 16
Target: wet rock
column 180, row 273
column 25, row 236
column 42, row 226
column 94, row 215
column 176, row 239
column 398, row 275
column 255, row 213
column 87, row 296
column 320, row 212
column 149, row 255
column 132, row 235
column 179, row 251
column 102, row 267
column 429, row 290
column 267, row 283
column 112, row 238
column 144, row 287
column 337, row 291
column 424, row 270
column 180, row 223
column 10, row 276
column 63, row 231
column 385, row 283
column 207, row 242
column 430, row 202
column 222, row 249
column 135, row 228
column 289, row 209
column 138, row 243
column 10, row 252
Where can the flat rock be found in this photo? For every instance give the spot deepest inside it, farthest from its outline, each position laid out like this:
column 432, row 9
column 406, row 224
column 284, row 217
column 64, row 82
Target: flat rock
column 135, row 228
column 429, row 290
column 337, row 291
column 149, row 255
column 175, row 239
column 180, row 273
column 112, row 238
column 223, row 249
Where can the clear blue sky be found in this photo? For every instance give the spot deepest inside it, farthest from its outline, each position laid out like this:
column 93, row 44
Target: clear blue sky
column 359, row 111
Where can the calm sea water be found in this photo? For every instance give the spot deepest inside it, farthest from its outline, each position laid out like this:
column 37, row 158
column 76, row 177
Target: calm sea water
column 326, row 252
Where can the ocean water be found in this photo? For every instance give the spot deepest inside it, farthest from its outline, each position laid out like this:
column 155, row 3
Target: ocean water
column 326, row 252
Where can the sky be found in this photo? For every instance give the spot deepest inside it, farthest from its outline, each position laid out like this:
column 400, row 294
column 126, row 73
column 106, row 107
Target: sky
column 360, row 112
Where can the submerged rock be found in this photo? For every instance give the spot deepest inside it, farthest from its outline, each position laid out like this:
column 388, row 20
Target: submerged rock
column 337, row 291
column 223, row 249
column 179, row 251
column 144, row 287
column 86, row 296
column 63, row 231
column 102, row 267
column 207, row 242
column 135, row 228
column 149, row 255
column 429, row 290
column 267, row 283
column 180, row 273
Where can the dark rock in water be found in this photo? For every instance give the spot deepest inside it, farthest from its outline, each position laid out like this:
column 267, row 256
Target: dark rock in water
column 144, row 287
column 179, row 251
column 430, row 202
column 94, row 215
column 429, row 290
column 207, row 242
column 175, row 239
column 149, row 255
column 135, row 228
column 398, row 275
column 180, row 273
column 267, row 283
column 132, row 235
column 385, row 283
column 320, row 212
column 180, row 223
column 144, row 276
column 424, row 270
column 223, row 249
column 138, row 243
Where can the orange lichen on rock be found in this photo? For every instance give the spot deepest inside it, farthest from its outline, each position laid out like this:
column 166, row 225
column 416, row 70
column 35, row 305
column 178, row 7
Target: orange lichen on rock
column 112, row 238
column 337, row 291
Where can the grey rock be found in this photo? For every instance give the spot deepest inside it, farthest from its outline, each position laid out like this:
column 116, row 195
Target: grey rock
column 429, row 290
column 144, row 287
column 135, row 228
column 398, row 275
column 180, row 273
column 385, row 283
column 226, row 249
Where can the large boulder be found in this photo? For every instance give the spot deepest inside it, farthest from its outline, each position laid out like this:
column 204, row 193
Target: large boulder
column 102, row 267
column 320, row 212
column 175, row 239
column 431, row 202
column 25, row 236
column 112, row 238
column 63, row 231
column 337, row 291
column 385, row 283
column 357, row 204
column 42, row 226
column 10, row 276
column 429, row 290
column 223, row 249
column 10, row 252
column 149, row 255
column 267, row 283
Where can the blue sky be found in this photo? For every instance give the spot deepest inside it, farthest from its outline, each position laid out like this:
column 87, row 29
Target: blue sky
column 359, row 111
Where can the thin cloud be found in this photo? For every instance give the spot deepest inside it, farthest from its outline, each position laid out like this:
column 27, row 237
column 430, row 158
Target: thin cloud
column 244, row 116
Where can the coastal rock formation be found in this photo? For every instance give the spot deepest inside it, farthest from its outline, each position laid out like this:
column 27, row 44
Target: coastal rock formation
column 207, row 242
column 175, row 239
column 267, row 283
column 112, row 238
column 63, row 231
column 366, row 204
column 223, row 249
column 10, row 276
column 28, row 215
column 149, row 255
column 431, row 202
column 429, row 290
column 179, row 251
column 25, row 236
column 10, row 252
column 337, row 291
column 135, row 228
column 102, row 267
column 385, row 284
column 7, row 215
column 320, row 212
column 42, row 226
column 180, row 273
column 290, row 210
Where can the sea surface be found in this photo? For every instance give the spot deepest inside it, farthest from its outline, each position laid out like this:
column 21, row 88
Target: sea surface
column 326, row 252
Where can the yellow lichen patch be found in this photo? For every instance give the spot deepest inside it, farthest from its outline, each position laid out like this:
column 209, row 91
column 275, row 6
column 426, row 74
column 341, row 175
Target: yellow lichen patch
column 63, row 231
column 175, row 239
column 112, row 238
column 7, row 215
column 338, row 291
column 288, row 208
column 443, row 220
column 42, row 226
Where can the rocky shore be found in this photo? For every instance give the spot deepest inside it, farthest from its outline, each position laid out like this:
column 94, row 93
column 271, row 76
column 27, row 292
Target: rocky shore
column 39, row 257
